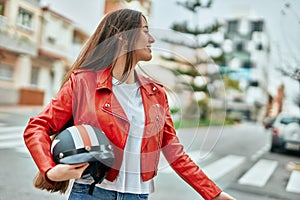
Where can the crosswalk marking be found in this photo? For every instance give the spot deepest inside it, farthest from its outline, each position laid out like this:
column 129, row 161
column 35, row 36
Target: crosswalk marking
column 22, row 149
column 9, row 129
column 294, row 182
column 196, row 156
column 11, row 144
column 221, row 167
column 11, row 137
column 259, row 174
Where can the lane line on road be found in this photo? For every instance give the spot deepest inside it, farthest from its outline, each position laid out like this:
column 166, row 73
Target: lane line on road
column 260, row 152
column 259, row 174
column 223, row 166
column 294, row 182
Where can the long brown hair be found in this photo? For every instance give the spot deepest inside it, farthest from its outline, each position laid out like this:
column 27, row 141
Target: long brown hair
column 118, row 29
column 105, row 45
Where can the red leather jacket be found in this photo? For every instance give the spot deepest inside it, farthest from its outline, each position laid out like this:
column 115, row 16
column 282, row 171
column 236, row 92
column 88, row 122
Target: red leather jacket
column 87, row 98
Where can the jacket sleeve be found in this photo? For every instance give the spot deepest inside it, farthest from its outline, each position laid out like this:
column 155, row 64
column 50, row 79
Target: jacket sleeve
column 48, row 122
column 183, row 164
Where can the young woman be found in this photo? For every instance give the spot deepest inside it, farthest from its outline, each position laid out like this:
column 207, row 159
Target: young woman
column 104, row 90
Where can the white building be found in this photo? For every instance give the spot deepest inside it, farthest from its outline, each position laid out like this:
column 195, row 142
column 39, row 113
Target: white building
column 246, row 45
column 37, row 46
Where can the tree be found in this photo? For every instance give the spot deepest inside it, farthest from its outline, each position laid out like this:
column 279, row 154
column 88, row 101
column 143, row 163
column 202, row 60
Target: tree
column 293, row 73
column 192, row 68
column 289, row 14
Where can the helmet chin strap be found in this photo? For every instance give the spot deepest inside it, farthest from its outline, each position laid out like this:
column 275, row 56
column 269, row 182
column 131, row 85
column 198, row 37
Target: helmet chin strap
column 97, row 176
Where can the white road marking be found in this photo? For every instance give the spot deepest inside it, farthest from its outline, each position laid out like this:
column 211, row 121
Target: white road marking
column 11, row 144
column 259, row 174
column 22, row 149
column 11, row 137
column 196, row 156
column 9, row 129
column 260, row 152
column 222, row 166
column 294, row 182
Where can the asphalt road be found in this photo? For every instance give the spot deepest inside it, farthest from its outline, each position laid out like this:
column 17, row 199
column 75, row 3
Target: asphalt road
column 240, row 149
column 226, row 154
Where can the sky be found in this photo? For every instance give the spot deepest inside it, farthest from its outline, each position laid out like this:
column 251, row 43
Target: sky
column 86, row 13
column 282, row 23
column 283, row 30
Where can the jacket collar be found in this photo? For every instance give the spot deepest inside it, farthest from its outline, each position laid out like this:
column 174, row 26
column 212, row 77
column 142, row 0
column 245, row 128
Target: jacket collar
column 104, row 81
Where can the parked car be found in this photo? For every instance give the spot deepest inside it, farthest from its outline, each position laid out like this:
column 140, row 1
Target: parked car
column 286, row 133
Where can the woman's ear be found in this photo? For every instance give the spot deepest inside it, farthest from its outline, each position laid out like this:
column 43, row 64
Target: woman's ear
column 123, row 42
column 122, row 38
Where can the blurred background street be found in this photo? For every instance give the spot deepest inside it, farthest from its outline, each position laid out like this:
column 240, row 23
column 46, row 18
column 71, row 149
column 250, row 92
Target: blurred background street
column 232, row 68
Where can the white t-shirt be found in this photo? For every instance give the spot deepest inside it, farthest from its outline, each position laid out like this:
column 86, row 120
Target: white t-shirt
column 129, row 179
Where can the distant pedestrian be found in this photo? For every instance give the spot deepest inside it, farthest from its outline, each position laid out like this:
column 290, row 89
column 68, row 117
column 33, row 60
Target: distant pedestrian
column 103, row 89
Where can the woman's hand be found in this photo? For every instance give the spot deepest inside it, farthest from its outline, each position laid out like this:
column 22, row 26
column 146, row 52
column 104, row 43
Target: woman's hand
column 63, row 172
column 223, row 196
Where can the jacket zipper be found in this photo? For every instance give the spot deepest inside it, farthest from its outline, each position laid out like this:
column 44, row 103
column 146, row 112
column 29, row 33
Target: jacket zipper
column 120, row 117
column 157, row 120
column 114, row 114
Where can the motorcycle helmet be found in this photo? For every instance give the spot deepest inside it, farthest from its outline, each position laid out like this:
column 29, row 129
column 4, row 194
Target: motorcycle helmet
column 84, row 143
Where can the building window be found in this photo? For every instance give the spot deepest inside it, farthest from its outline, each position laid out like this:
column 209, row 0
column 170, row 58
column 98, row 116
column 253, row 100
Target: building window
column 232, row 26
column 259, row 47
column 240, row 46
column 25, row 19
column 6, row 72
column 34, row 76
column 1, row 8
column 51, row 40
column 247, row 64
column 257, row 26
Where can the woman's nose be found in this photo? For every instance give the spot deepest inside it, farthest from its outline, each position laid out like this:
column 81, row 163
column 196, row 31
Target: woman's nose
column 151, row 39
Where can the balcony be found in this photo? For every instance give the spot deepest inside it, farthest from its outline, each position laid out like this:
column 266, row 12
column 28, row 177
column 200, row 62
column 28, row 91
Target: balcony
column 10, row 40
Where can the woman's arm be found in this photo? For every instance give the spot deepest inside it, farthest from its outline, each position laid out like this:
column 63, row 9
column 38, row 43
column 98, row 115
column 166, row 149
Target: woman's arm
column 183, row 165
column 224, row 196
column 50, row 121
column 63, row 172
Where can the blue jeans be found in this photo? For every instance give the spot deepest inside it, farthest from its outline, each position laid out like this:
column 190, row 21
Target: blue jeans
column 80, row 192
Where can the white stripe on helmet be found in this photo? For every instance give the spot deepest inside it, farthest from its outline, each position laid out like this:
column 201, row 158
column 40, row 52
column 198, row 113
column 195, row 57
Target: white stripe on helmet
column 54, row 142
column 92, row 134
column 76, row 137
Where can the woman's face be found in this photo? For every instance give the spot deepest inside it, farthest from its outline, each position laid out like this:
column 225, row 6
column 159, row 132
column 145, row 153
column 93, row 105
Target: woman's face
column 144, row 40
